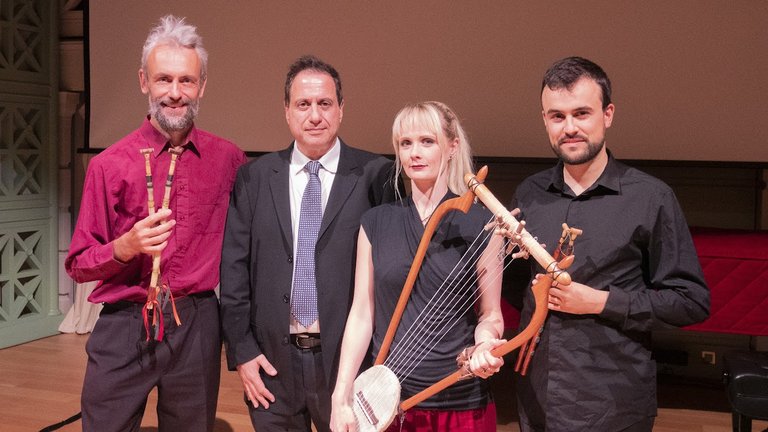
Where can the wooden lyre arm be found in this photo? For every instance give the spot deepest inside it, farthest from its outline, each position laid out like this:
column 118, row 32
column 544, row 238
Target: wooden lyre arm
column 529, row 243
column 554, row 272
column 462, row 203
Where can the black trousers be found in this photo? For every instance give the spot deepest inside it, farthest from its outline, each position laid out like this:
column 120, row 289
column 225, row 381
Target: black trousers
column 313, row 398
column 123, row 368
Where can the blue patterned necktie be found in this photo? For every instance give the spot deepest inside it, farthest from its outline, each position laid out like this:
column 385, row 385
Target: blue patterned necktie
column 304, row 298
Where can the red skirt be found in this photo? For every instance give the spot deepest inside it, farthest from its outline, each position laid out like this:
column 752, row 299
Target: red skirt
column 419, row 420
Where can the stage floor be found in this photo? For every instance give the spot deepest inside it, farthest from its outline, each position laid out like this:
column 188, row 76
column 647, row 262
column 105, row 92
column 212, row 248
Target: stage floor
column 41, row 384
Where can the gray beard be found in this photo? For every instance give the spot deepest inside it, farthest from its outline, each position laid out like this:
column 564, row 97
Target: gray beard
column 174, row 124
column 592, row 151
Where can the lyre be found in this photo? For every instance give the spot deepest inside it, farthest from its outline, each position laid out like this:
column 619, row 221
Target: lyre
column 555, row 271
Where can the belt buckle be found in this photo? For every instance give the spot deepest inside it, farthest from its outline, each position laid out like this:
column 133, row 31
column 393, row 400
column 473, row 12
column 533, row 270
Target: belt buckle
column 305, row 341
column 299, row 337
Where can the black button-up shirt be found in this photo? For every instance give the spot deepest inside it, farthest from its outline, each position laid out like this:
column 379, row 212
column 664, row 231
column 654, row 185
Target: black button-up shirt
column 594, row 372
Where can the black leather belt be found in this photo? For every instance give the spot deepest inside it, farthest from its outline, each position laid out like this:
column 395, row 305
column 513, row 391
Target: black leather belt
column 181, row 302
column 306, row 340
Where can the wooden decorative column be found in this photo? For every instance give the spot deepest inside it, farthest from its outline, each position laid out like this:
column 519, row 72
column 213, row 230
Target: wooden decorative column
column 28, row 141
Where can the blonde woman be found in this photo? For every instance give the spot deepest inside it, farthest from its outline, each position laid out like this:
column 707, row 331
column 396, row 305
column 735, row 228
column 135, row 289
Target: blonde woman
column 432, row 150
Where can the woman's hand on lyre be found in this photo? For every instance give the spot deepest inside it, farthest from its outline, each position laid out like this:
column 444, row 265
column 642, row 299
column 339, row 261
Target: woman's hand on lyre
column 342, row 416
column 482, row 363
column 149, row 236
column 575, row 298
column 250, row 375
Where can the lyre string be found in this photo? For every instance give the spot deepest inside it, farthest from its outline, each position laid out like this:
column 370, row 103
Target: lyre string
column 400, row 352
column 375, row 396
column 403, row 352
column 417, row 351
column 405, row 341
column 404, row 358
column 451, row 286
column 447, row 324
column 468, row 303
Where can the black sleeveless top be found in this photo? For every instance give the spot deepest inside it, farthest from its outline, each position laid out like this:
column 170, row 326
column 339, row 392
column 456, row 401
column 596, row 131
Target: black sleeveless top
column 395, row 230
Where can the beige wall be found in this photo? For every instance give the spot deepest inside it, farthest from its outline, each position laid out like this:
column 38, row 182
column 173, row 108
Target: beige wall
column 689, row 75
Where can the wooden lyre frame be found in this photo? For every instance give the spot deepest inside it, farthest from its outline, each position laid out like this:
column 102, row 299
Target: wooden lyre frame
column 564, row 249
column 554, row 271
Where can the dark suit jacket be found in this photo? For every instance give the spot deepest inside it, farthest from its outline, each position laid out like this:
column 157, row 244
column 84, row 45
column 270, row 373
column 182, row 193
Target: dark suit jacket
column 257, row 260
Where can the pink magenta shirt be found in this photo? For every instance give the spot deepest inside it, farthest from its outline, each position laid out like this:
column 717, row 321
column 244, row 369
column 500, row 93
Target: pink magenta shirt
column 115, row 198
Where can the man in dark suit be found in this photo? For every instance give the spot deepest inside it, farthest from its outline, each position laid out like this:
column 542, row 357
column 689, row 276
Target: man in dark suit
column 287, row 357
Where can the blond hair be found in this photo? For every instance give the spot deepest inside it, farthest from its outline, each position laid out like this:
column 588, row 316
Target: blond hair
column 436, row 117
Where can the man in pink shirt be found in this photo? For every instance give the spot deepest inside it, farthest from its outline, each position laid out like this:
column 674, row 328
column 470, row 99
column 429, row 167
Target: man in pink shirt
column 115, row 239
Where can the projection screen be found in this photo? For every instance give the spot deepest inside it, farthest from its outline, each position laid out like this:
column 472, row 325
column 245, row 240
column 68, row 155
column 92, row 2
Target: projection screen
column 689, row 76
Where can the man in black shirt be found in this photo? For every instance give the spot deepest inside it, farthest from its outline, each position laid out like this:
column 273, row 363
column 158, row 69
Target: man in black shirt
column 636, row 268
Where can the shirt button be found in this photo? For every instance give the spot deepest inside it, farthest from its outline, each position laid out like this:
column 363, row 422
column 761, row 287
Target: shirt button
column 286, row 299
column 285, row 340
column 290, row 259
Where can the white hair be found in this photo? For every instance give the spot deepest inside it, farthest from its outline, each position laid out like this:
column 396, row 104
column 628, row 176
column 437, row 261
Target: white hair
column 176, row 32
